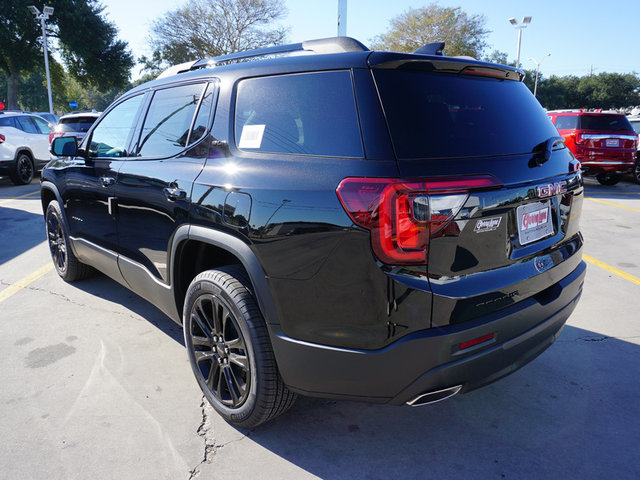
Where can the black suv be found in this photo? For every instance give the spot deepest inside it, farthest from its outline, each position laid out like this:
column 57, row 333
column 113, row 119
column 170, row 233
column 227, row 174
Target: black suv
column 387, row 227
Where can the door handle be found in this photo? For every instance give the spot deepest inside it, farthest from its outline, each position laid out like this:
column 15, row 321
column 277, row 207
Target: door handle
column 107, row 181
column 174, row 193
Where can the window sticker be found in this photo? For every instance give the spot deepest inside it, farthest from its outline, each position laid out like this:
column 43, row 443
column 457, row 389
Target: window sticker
column 251, row 136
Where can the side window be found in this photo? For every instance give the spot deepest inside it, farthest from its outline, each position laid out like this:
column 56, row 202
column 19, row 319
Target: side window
column 26, row 125
column 111, row 136
column 43, row 126
column 7, row 122
column 202, row 118
column 304, row 114
column 566, row 122
column 166, row 127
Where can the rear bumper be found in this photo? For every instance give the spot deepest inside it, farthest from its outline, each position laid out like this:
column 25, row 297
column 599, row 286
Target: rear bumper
column 430, row 360
column 595, row 166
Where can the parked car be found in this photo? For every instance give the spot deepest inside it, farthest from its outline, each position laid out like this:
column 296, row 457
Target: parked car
column 52, row 118
column 634, row 120
column 384, row 227
column 75, row 124
column 24, row 145
column 604, row 142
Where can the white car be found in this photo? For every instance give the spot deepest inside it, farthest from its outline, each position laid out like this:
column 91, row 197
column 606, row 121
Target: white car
column 24, row 145
column 634, row 120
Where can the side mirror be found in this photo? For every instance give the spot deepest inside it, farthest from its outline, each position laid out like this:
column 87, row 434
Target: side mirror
column 64, row 146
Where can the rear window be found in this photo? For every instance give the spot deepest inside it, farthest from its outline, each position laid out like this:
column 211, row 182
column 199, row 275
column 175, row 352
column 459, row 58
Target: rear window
column 437, row 115
column 615, row 123
column 567, row 122
column 303, row 114
column 75, row 124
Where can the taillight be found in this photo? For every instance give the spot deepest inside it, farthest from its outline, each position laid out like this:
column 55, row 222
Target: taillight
column 580, row 139
column 2, row 138
column 53, row 135
column 402, row 215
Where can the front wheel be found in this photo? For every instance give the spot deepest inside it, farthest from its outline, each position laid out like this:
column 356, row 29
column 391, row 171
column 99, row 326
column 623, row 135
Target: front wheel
column 608, row 178
column 67, row 265
column 24, row 170
column 229, row 349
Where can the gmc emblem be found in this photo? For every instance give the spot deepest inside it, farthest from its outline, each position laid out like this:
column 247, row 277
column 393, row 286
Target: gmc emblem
column 551, row 189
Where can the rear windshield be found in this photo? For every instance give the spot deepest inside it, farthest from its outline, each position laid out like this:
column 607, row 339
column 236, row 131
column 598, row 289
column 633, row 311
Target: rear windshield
column 75, row 124
column 615, row 123
column 437, row 115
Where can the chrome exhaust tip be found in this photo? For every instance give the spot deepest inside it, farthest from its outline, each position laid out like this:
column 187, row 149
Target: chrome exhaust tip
column 433, row 397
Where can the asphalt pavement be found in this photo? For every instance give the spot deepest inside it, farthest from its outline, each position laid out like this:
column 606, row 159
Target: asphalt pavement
column 95, row 383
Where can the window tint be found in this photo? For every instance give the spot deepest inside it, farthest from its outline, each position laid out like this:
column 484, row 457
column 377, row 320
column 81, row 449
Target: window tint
column 566, row 122
column 616, row 123
column 442, row 115
column 75, row 124
column 308, row 114
column 43, row 126
column 7, row 122
column 168, row 121
column 26, row 124
column 111, row 135
column 202, row 119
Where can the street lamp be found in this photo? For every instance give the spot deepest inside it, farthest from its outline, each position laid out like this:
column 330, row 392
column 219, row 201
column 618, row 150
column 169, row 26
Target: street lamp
column 43, row 17
column 525, row 21
column 535, row 85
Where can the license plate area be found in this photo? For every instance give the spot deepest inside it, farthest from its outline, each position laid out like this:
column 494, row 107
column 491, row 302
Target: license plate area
column 534, row 221
column 612, row 142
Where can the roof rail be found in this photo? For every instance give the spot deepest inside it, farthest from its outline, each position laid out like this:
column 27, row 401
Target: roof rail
column 435, row 48
column 319, row 46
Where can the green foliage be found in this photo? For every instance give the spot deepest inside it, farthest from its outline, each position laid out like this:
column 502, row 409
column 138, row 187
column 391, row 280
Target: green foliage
column 87, row 43
column 206, row 28
column 463, row 34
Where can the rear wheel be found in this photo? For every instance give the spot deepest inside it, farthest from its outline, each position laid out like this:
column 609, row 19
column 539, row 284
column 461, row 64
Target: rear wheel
column 636, row 171
column 229, row 349
column 67, row 265
column 24, row 170
column 608, row 178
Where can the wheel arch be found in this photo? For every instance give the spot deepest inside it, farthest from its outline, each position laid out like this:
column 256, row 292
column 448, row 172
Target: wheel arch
column 197, row 248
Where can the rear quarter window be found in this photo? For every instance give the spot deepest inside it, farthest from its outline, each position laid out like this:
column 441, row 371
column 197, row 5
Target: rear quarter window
column 567, row 122
column 302, row 114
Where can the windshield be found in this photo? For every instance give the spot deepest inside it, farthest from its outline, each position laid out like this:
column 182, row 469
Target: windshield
column 436, row 115
column 615, row 123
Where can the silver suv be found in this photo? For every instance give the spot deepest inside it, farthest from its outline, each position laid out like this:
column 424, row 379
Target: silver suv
column 24, row 145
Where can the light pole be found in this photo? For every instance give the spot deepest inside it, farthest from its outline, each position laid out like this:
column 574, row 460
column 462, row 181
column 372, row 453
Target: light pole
column 535, row 85
column 342, row 18
column 43, row 17
column 519, row 26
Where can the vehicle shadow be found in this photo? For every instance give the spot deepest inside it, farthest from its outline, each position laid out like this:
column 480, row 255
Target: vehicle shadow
column 104, row 287
column 571, row 413
column 624, row 190
column 19, row 231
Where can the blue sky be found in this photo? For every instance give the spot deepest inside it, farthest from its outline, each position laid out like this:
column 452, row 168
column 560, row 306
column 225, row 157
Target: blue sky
column 579, row 35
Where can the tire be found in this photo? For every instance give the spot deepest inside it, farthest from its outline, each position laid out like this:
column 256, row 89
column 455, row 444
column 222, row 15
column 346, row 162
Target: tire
column 636, row 171
column 229, row 349
column 67, row 265
column 608, row 178
column 24, row 170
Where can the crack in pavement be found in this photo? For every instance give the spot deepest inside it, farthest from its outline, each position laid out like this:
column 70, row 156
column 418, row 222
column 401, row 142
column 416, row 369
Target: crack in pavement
column 599, row 338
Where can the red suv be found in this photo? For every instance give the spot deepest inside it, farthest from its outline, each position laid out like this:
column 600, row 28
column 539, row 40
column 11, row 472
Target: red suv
column 604, row 142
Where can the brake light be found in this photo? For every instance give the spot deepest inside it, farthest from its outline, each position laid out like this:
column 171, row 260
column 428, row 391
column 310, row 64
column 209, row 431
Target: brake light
column 53, row 135
column 580, row 139
column 2, row 138
column 402, row 215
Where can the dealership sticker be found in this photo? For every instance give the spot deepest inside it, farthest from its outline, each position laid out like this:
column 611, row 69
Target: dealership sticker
column 487, row 224
column 251, row 136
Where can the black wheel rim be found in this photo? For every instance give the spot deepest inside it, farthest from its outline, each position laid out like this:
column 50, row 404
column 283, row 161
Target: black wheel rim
column 219, row 351
column 25, row 169
column 57, row 243
column 636, row 172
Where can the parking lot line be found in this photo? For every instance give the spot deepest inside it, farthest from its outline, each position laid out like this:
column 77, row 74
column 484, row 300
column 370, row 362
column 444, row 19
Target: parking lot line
column 613, row 204
column 8, row 199
column 25, row 282
column 614, row 270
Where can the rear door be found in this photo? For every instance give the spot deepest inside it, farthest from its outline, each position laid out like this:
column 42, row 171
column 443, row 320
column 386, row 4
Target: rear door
column 34, row 138
column 503, row 193
column 153, row 188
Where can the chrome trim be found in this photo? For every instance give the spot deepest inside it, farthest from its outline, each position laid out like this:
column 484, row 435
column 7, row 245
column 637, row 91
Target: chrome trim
column 599, row 136
column 448, row 393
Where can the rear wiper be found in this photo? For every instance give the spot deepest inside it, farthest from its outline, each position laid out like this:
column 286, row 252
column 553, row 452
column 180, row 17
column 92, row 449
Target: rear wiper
column 543, row 150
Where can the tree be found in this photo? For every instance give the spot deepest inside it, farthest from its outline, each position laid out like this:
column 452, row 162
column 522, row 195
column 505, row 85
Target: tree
column 87, row 43
column 463, row 34
column 206, row 28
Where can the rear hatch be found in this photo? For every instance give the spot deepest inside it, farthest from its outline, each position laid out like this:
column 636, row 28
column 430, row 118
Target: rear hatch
column 485, row 171
column 602, row 135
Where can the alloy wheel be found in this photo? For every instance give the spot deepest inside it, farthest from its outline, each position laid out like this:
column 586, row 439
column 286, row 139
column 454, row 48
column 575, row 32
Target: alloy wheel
column 24, row 169
column 57, row 242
